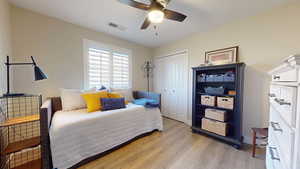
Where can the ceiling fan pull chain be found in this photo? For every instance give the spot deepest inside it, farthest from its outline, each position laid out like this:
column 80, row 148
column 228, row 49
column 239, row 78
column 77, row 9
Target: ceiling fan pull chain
column 155, row 28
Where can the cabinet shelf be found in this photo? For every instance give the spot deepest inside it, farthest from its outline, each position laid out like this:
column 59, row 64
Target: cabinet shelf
column 20, row 120
column 20, row 145
column 35, row 164
column 227, row 139
column 217, row 82
column 234, row 121
column 215, row 107
column 221, row 95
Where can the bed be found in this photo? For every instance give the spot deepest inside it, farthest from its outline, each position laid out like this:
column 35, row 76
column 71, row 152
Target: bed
column 74, row 138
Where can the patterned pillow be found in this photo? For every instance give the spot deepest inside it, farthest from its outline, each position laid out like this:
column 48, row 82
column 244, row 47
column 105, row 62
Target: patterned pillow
column 112, row 103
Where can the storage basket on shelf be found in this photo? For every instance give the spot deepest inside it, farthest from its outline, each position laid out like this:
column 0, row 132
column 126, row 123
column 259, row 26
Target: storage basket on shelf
column 20, row 132
column 214, row 90
column 225, row 102
column 208, row 100
column 215, row 126
column 215, row 114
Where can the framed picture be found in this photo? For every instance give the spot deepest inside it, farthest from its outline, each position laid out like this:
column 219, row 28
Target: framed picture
column 222, row 56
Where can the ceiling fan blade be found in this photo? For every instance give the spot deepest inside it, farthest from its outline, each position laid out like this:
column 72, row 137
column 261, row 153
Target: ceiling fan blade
column 146, row 24
column 174, row 15
column 135, row 4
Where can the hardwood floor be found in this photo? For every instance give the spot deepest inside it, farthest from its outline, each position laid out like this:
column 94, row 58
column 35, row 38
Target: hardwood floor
column 176, row 148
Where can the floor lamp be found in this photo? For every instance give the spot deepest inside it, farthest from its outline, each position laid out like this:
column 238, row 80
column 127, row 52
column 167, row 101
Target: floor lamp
column 38, row 75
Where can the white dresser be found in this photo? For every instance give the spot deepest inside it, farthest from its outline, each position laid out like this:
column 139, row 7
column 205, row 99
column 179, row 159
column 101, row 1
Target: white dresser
column 283, row 150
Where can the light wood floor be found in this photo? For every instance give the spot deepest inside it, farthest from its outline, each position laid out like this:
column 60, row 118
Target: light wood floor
column 177, row 148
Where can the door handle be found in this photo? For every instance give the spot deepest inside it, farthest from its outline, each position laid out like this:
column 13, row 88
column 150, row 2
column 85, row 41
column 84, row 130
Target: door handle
column 276, row 126
column 272, row 149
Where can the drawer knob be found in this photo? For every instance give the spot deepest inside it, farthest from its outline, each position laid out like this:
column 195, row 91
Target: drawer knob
column 276, row 77
column 276, row 126
column 272, row 149
column 272, row 95
column 284, row 103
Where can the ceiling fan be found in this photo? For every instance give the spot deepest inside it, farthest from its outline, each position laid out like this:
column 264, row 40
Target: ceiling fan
column 157, row 11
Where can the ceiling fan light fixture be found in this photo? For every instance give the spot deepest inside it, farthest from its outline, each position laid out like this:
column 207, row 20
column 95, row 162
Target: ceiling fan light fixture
column 156, row 16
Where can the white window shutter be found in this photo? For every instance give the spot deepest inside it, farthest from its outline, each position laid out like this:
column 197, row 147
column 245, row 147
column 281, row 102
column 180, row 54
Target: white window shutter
column 120, row 71
column 110, row 67
column 99, row 68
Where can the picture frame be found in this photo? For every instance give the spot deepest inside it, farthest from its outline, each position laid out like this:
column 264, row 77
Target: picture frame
column 222, row 56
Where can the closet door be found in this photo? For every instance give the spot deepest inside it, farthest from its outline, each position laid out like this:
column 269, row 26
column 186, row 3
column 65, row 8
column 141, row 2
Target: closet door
column 170, row 79
column 179, row 88
column 160, row 85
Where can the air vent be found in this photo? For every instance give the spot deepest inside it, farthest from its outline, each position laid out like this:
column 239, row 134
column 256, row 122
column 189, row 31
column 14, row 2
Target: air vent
column 114, row 25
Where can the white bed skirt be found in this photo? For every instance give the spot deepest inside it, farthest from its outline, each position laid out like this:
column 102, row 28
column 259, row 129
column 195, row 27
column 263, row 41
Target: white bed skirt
column 77, row 135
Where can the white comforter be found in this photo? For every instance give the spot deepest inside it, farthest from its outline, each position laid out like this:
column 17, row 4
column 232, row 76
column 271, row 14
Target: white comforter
column 77, row 135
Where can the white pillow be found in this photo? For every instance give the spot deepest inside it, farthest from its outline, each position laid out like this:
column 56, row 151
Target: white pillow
column 127, row 93
column 71, row 98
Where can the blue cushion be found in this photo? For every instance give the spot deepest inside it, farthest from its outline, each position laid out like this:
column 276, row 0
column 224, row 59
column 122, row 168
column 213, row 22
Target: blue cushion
column 149, row 103
column 112, row 103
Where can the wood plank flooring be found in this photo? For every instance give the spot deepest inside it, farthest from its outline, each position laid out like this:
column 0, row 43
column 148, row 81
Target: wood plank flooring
column 176, row 148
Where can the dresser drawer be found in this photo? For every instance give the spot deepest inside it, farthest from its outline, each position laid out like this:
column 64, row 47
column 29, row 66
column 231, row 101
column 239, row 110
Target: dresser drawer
column 283, row 135
column 287, row 76
column 284, row 99
column 274, row 158
column 275, row 92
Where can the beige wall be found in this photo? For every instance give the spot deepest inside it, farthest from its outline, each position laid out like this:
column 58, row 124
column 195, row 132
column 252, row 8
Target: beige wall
column 58, row 49
column 5, row 41
column 264, row 40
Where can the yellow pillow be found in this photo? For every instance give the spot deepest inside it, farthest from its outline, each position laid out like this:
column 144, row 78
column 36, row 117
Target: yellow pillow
column 116, row 95
column 93, row 100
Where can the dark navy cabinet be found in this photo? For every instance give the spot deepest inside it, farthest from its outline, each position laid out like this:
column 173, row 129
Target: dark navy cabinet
column 231, row 78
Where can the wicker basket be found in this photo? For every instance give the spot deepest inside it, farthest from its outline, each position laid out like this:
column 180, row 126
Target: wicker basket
column 208, row 100
column 225, row 102
column 214, row 114
column 215, row 126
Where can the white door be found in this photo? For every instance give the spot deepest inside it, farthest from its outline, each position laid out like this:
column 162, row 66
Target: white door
column 170, row 79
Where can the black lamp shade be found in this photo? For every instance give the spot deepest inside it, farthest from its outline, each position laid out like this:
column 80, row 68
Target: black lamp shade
column 38, row 74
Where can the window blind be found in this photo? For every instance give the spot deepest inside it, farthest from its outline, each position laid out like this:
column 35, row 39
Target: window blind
column 110, row 68
column 120, row 75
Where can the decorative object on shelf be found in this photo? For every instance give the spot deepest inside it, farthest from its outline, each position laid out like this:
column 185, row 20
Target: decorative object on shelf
column 209, row 117
column 231, row 92
column 20, row 132
column 38, row 74
column 229, row 76
column 148, row 70
column 222, row 56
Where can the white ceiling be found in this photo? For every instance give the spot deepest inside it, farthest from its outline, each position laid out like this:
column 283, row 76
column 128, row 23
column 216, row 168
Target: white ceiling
column 96, row 14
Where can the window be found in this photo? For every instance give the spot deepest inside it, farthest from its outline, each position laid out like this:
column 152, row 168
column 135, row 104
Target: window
column 106, row 65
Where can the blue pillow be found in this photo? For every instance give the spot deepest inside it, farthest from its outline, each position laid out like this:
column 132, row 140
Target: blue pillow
column 112, row 103
column 149, row 103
